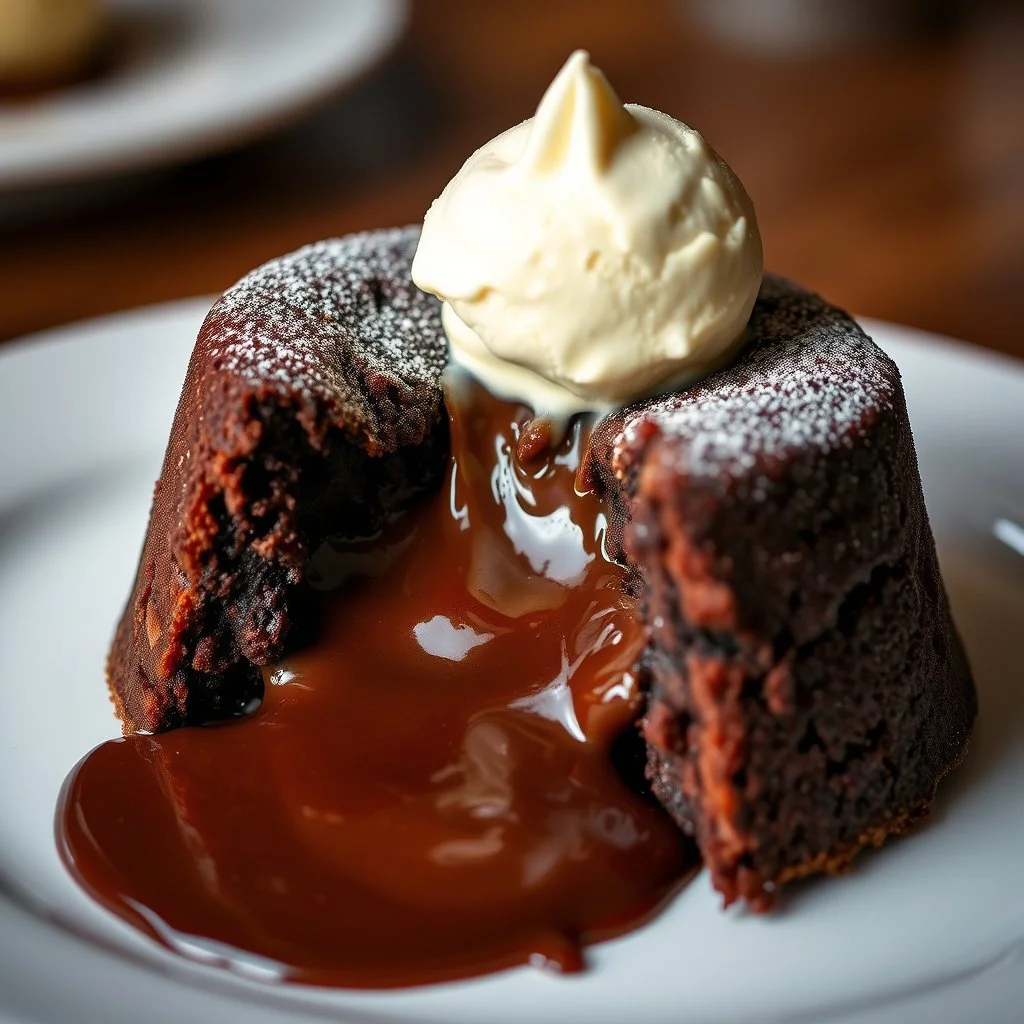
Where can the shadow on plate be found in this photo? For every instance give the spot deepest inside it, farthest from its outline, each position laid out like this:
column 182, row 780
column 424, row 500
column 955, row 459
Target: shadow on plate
column 987, row 595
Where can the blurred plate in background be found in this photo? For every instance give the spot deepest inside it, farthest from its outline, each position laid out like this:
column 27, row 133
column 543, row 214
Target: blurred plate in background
column 189, row 77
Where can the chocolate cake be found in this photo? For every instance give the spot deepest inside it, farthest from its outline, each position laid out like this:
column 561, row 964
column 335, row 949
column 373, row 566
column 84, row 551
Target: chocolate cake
column 311, row 405
column 806, row 687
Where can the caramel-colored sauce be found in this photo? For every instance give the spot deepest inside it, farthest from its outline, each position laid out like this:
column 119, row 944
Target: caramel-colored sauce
column 433, row 788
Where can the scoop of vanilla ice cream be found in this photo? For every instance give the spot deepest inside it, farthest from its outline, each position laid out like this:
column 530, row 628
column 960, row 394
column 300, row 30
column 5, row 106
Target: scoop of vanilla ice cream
column 592, row 254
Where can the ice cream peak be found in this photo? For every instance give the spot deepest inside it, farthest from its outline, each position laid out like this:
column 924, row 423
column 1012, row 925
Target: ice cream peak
column 592, row 254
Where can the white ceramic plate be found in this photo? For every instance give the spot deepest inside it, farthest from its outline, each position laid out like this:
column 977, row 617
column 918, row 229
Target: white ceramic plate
column 205, row 73
column 929, row 928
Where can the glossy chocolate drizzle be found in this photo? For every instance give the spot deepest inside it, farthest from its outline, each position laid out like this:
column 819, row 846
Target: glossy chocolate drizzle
column 433, row 789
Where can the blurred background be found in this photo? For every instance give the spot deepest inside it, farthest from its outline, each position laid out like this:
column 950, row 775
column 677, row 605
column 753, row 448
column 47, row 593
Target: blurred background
column 882, row 141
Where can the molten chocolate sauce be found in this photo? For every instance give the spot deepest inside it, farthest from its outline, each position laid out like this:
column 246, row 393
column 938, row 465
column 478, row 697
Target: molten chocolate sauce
column 429, row 790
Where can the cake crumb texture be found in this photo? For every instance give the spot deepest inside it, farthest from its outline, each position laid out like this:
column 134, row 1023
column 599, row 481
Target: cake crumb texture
column 312, row 403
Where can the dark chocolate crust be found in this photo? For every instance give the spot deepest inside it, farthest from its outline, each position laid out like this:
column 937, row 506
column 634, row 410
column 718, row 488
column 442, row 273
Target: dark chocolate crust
column 807, row 687
column 311, row 404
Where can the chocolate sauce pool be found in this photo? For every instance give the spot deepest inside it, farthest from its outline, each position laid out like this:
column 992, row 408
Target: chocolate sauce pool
column 434, row 788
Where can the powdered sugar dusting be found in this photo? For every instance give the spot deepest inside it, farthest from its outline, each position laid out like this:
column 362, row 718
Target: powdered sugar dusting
column 318, row 321
column 340, row 318
column 809, row 379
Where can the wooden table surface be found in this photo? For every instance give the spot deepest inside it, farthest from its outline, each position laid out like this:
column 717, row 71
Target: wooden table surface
column 891, row 180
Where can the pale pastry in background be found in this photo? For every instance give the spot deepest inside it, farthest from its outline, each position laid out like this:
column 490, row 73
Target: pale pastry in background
column 45, row 42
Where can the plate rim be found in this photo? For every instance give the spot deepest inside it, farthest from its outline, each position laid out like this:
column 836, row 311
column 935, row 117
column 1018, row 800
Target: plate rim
column 193, row 308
